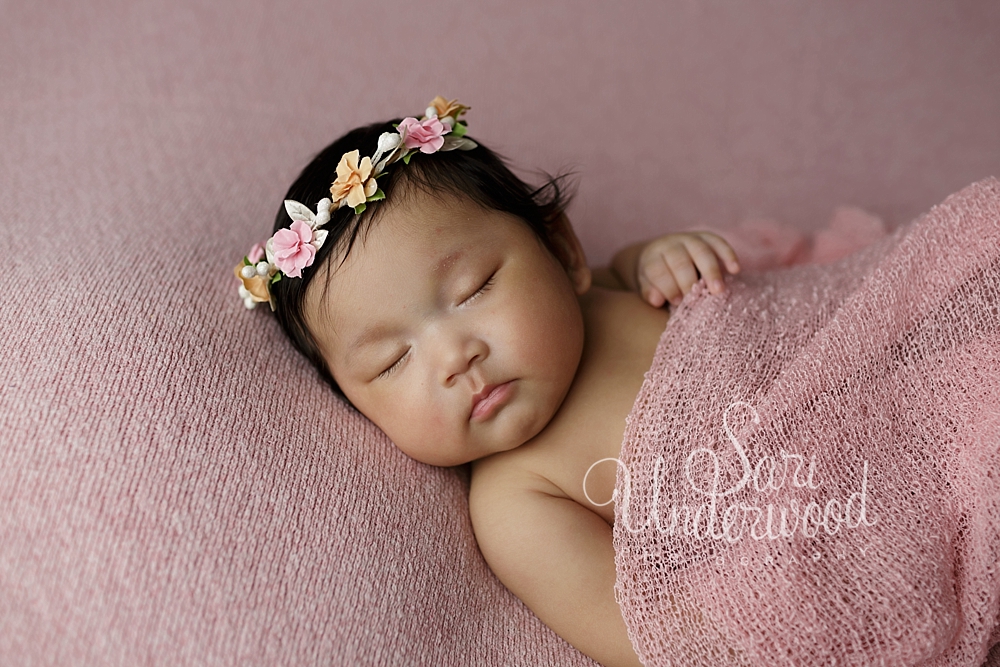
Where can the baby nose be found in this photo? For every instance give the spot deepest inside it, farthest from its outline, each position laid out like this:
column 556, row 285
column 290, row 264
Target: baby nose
column 458, row 355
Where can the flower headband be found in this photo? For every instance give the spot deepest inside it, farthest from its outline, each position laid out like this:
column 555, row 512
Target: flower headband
column 292, row 249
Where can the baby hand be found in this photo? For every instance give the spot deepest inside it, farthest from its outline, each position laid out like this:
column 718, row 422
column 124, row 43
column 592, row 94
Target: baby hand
column 668, row 266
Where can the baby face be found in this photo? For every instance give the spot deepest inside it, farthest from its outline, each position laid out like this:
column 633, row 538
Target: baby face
column 441, row 301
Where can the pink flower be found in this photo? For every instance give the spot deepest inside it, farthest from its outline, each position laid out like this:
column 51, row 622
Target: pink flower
column 292, row 249
column 427, row 135
column 256, row 253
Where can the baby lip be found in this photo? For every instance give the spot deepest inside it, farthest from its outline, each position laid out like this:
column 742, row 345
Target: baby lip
column 483, row 394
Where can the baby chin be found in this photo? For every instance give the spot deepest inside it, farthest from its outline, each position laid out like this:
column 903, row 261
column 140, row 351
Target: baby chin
column 514, row 420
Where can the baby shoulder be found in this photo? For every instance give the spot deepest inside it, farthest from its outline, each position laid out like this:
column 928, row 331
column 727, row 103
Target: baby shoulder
column 496, row 480
column 500, row 489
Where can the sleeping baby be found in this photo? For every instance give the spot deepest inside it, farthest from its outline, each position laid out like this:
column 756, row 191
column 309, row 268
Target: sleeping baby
column 452, row 305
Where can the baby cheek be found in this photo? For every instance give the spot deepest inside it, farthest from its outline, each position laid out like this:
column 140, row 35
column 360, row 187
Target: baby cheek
column 533, row 330
column 418, row 410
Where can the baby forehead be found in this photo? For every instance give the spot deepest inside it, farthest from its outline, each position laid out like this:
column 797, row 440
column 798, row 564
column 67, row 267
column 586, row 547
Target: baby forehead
column 381, row 255
column 405, row 266
column 437, row 243
column 434, row 248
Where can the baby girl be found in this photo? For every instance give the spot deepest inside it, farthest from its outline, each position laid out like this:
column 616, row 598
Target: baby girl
column 466, row 325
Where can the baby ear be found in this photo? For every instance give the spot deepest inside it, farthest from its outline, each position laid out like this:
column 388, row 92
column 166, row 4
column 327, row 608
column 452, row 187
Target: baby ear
column 569, row 252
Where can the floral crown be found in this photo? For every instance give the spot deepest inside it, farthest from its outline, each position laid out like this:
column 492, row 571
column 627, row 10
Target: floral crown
column 294, row 248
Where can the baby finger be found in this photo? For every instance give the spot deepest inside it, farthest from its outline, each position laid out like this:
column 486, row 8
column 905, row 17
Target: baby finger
column 707, row 263
column 722, row 249
column 679, row 260
column 657, row 285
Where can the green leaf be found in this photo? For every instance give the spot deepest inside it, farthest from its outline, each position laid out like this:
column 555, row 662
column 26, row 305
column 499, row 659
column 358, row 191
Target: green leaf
column 377, row 196
column 359, row 209
column 246, row 260
column 276, row 277
column 406, row 158
column 459, row 130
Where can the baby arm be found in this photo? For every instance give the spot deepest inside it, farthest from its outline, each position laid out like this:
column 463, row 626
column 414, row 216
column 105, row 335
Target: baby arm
column 557, row 557
column 666, row 268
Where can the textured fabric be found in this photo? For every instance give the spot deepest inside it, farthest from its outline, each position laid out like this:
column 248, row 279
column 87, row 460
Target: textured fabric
column 766, row 243
column 811, row 472
column 176, row 485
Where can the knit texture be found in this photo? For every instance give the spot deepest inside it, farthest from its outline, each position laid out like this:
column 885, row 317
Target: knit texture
column 177, row 487
column 811, row 472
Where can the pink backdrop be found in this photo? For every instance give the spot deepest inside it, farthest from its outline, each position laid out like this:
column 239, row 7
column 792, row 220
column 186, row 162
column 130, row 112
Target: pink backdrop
column 165, row 497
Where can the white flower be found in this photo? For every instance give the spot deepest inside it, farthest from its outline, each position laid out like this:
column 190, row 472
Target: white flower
column 322, row 213
column 388, row 142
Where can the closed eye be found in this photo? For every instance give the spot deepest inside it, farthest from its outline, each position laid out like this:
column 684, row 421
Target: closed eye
column 479, row 292
column 389, row 371
column 485, row 287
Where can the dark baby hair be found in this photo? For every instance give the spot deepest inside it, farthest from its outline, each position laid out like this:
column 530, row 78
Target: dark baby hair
column 478, row 174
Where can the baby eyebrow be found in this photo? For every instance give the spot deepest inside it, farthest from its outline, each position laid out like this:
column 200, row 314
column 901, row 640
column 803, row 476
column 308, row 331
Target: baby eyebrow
column 369, row 337
column 448, row 262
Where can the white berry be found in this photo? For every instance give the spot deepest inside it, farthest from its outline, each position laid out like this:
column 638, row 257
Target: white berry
column 248, row 271
column 262, row 269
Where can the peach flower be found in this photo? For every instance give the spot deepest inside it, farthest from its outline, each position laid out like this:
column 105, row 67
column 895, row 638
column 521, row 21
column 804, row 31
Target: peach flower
column 256, row 286
column 353, row 185
column 443, row 108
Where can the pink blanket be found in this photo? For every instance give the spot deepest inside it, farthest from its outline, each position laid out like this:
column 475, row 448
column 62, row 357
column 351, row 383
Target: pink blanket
column 810, row 474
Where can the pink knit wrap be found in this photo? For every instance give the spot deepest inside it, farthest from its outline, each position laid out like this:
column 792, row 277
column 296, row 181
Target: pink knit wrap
column 810, row 474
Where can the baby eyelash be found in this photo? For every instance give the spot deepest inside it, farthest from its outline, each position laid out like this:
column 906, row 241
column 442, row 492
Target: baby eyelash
column 482, row 289
column 392, row 368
